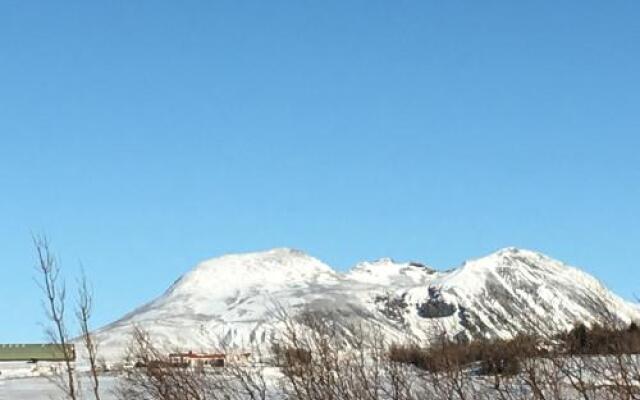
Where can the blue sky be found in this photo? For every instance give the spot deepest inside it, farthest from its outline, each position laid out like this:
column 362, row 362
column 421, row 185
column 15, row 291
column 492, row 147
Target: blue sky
column 142, row 137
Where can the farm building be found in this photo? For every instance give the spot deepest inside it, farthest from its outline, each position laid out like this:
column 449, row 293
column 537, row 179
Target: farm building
column 207, row 359
column 198, row 360
column 35, row 352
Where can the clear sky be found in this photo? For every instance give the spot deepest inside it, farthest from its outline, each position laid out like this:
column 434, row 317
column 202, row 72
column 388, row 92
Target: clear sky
column 145, row 136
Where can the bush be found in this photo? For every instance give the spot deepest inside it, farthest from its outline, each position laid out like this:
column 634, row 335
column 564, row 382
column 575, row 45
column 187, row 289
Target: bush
column 598, row 340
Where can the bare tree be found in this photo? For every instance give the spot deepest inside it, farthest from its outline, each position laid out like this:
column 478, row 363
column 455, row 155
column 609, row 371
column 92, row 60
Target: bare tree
column 154, row 376
column 321, row 356
column 84, row 310
column 54, row 291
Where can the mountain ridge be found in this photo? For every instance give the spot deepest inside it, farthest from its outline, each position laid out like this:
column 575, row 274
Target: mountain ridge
column 226, row 300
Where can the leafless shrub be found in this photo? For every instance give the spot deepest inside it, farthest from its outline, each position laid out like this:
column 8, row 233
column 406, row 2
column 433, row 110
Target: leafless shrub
column 320, row 356
column 602, row 361
column 155, row 376
column 84, row 310
column 54, row 292
column 322, row 359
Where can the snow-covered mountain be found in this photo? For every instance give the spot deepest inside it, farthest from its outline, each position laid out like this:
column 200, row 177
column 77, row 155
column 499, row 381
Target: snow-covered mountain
column 230, row 300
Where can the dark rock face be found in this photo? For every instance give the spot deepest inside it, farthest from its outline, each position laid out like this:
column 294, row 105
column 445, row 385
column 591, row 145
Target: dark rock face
column 436, row 306
column 391, row 307
column 436, row 309
column 422, row 266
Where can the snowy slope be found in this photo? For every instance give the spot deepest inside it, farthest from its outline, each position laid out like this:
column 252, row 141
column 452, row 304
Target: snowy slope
column 230, row 300
column 512, row 291
column 227, row 299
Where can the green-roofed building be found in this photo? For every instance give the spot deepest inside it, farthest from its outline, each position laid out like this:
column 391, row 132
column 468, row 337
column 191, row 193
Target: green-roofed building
column 35, row 352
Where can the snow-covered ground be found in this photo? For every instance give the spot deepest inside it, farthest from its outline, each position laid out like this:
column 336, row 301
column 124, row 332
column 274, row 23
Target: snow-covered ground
column 42, row 388
column 30, row 386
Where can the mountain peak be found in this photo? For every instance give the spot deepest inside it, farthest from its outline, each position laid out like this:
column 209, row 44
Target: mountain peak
column 508, row 256
column 497, row 295
column 388, row 272
column 276, row 252
column 517, row 251
column 239, row 271
column 286, row 251
column 509, row 250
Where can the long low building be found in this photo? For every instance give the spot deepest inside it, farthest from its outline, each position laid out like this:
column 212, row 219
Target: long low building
column 35, row 352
